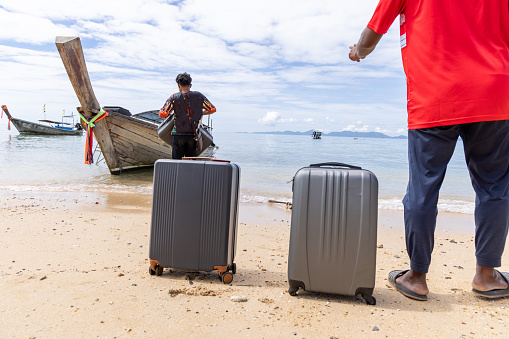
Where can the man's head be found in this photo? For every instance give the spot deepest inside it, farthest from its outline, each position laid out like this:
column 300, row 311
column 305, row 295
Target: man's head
column 184, row 81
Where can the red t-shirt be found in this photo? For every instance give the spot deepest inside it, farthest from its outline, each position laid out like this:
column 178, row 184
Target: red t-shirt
column 455, row 56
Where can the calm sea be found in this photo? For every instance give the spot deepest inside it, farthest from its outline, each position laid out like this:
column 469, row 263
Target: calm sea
column 268, row 163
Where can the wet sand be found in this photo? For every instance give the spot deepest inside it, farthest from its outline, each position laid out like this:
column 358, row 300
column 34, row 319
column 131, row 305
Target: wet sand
column 76, row 265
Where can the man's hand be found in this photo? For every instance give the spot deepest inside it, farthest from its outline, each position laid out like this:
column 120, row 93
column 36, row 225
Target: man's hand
column 367, row 43
column 353, row 53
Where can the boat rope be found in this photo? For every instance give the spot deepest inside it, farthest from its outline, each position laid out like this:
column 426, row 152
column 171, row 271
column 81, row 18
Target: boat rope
column 89, row 144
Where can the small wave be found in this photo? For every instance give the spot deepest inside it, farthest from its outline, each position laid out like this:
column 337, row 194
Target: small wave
column 389, row 203
column 261, row 199
column 444, row 205
column 79, row 187
column 393, row 204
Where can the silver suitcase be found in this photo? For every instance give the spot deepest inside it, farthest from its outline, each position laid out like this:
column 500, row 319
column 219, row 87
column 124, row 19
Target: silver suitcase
column 333, row 231
column 194, row 216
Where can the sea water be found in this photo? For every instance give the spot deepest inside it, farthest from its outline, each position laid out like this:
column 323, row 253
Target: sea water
column 268, row 162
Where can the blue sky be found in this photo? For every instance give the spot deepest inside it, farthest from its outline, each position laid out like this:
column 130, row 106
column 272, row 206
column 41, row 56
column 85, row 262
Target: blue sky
column 266, row 65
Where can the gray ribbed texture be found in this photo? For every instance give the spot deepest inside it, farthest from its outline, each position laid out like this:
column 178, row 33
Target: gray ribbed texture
column 332, row 223
column 162, row 213
column 215, row 210
column 333, row 231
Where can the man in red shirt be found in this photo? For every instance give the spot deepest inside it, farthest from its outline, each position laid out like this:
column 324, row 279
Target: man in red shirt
column 456, row 59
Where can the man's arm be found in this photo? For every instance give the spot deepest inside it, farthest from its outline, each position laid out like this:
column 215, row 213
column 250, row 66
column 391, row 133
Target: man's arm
column 167, row 108
column 208, row 108
column 367, row 43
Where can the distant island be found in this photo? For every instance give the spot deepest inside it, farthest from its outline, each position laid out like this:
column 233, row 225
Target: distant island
column 348, row 134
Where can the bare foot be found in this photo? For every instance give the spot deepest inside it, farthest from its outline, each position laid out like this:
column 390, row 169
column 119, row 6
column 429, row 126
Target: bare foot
column 414, row 281
column 487, row 279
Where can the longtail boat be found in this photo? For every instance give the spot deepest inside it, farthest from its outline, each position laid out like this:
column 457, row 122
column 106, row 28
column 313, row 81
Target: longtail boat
column 126, row 141
column 52, row 127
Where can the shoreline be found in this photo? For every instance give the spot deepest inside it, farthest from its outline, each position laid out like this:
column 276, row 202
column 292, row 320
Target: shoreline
column 76, row 265
column 455, row 222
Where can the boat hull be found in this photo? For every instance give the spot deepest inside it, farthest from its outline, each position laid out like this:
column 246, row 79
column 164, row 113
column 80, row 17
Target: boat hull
column 136, row 143
column 27, row 127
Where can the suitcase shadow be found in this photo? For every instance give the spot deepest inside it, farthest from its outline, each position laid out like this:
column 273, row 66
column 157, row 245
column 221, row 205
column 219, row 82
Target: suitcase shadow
column 386, row 298
column 332, row 298
column 190, row 275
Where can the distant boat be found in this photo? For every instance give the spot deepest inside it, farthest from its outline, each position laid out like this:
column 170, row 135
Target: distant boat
column 127, row 141
column 316, row 134
column 53, row 127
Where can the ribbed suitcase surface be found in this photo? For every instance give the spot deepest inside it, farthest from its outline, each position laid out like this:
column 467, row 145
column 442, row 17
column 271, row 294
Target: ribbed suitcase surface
column 333, row 230
column 194, row 214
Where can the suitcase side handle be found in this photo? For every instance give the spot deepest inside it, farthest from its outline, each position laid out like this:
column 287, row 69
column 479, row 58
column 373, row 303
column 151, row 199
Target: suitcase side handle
column 205, row 158
column 338, row 164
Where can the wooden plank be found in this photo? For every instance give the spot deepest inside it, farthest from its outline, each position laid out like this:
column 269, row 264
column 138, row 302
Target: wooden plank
column 74, row 62
column 140, row 154
column 138, row 138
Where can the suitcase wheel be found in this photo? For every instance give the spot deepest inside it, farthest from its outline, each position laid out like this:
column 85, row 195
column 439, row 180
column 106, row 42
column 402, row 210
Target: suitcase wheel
column 370, row 300
column 293, row 291
column 224, row 273
column 294, row 286
column 227, row 277
column 158, row 270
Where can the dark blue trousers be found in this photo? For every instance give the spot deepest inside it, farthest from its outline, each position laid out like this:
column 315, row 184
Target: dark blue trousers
column 486, row 147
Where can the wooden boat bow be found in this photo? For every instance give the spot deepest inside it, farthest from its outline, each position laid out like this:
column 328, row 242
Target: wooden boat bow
column 72, row 56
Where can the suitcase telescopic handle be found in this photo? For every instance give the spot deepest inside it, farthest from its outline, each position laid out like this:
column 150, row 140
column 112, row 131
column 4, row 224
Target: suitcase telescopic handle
column 204, row 158
column 338, row 164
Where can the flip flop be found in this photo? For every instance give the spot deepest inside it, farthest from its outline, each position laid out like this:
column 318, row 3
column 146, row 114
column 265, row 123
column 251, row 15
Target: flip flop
column 402, row 289
column 495, row 294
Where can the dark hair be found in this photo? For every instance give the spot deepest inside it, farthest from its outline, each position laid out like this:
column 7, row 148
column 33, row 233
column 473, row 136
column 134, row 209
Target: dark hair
column 184, row 79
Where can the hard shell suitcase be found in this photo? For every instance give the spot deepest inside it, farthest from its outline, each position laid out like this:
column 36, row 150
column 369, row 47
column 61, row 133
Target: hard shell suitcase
column 194, row 216
column 333, row 230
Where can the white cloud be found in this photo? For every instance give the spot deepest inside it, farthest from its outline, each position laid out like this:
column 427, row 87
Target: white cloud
column 357, row 126
column 245, row 56
column 273, row 118
column 270, row 118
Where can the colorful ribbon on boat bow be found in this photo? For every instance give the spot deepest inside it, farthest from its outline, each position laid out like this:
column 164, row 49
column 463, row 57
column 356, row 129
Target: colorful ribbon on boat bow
column 8, row 118
column 89, row 153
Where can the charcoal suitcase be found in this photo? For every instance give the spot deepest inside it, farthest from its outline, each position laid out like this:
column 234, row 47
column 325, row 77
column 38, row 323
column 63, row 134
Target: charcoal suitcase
column 194, row 216
column 333, row 231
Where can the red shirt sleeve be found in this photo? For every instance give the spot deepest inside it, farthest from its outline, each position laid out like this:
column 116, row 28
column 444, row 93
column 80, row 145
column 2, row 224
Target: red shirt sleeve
column 385, row 13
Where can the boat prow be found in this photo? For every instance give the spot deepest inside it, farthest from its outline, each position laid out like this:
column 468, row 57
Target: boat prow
column 126, row 141
column 28, row 127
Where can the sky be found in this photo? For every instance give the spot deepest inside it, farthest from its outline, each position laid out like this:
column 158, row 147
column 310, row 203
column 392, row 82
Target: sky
column 267, row 65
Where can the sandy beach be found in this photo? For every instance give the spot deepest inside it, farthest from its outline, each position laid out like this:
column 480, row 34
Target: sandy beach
column 75, row 265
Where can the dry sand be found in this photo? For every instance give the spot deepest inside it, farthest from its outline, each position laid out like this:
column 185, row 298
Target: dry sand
column 76, row 266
